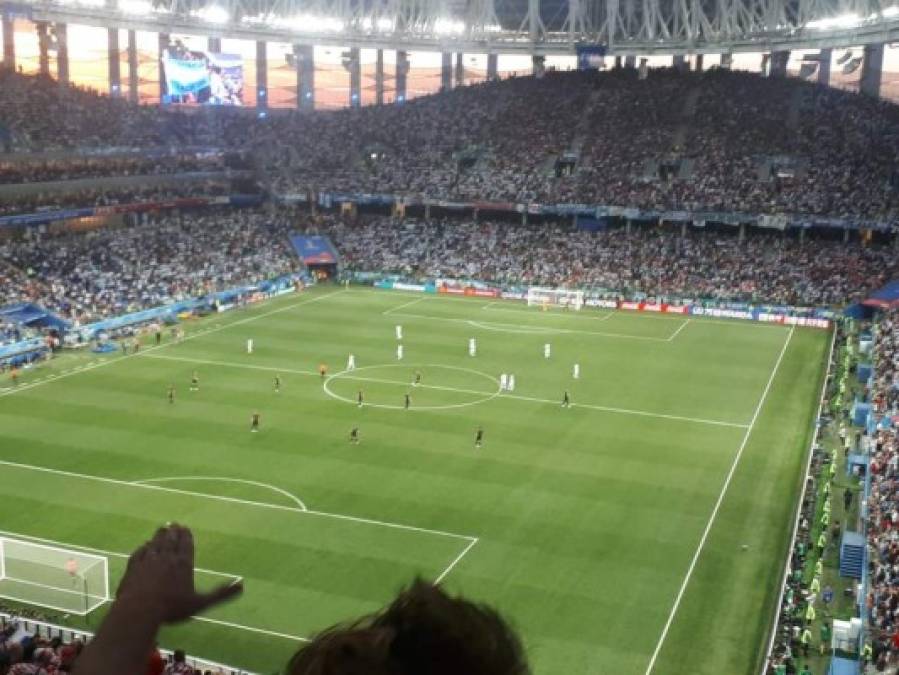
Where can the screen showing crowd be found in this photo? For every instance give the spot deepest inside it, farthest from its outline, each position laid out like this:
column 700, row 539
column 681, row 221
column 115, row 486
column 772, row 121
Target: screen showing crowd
column 201, row 77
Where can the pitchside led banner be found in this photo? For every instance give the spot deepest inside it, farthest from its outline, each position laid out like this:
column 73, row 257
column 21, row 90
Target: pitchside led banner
column 202, row 78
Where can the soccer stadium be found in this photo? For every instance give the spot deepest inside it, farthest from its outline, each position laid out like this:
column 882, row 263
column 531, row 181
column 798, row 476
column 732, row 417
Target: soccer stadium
column 449, row 338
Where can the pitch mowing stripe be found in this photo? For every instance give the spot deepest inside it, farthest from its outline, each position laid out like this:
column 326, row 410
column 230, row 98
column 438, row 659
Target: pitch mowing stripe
column 343, row 375
column 721, row 495
column 235, row 500
column 199, row 333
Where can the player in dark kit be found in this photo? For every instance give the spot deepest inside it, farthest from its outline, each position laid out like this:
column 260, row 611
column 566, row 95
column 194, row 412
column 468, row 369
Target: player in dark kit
column 195, row 382
column 566, row 400
column 277, row 384
column 408, row 402
column 171, row 393
column 360, row 400
column 354, row 435
column 417, row 378
column 479, row 437
column 254, row 424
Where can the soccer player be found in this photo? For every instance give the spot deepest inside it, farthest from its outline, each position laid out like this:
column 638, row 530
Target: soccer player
column 512, row 382
column 322, row 370
column 503, row 382
column 547, row 350
column 576, row 371
column 360, row 399
column 354, row 435
column 399, row 352
column 472, row 347
column 399, row 332
column 171, row 393
column 14, row 375
column 351, row 362
column 277, row 384
column 479, row 437
column 158, row 337
column 566, row 400
column 250, row 346
column 407, row 402
column 195, row 382
column 254, row 423
column 417, row 380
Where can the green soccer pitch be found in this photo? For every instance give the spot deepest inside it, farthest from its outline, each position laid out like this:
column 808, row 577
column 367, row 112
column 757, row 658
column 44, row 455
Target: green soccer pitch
column 641, row 530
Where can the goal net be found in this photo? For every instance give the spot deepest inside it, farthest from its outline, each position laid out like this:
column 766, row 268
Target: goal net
column 555, row 297
column 52, row 577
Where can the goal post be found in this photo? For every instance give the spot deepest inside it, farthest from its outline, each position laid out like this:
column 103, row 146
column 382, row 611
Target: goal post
column 555, row 297
column 49, row 576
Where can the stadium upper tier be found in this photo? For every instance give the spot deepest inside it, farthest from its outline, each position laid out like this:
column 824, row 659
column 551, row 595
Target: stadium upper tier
column 717, row 141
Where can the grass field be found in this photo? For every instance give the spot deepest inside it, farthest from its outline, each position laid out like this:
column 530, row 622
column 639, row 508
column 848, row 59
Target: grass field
column 610, row 533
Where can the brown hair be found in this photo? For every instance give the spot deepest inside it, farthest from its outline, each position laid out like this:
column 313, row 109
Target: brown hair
column 423, row 631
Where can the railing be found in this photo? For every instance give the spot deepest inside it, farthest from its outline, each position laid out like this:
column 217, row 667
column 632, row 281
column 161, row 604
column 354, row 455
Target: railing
column 67, row 635
column 805, row 481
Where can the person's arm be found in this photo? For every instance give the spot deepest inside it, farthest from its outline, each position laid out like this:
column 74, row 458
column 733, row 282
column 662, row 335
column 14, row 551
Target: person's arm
column 158, row 588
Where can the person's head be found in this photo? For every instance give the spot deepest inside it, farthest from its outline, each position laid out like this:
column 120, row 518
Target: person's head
column 178, row 656
column 423, row 631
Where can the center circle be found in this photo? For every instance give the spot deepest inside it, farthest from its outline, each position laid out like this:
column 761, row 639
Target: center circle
column 360, row 375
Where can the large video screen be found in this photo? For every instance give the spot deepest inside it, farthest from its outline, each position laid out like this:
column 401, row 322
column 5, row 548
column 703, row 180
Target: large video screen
column 201, row 77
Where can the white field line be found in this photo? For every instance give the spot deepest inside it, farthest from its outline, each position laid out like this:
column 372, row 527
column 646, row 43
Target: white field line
column 677, row 332
column 533, row 328
column 141, row 352
column 251, row 629
column 405, row 304
column 798, row 516
column 720, row 500
column 505, row 395
column 577, row 315
column 235, row 500
column 233, row 577
column 625, row 313
column 114, row 554
column 455, row 562
column 223, row 479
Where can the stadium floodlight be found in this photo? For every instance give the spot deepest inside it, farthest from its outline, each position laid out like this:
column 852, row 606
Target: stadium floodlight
column 135, row 7
column 214, row 14
column 449, row 27
column 835, row 22
column 85, row 3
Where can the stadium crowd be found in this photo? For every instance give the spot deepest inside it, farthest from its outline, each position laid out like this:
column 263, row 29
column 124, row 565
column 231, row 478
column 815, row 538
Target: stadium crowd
column 718, row 140
column 647, row 262
column 883, row 505
column 154, row 261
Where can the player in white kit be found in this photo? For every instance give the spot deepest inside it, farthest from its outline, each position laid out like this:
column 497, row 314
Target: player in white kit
column 546, row 350
column 472, row 347
column 503, row 381
column 399, row 352
column 250, row 346
column 399, row 332
column 576, row 372
column 511, row 382
column 351, row 362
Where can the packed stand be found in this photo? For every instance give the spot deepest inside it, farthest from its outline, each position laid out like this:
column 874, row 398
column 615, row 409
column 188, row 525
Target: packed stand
column 37, row 170
column 883, row 503
column 648, row 261
column 89, row 276
column 718, row 140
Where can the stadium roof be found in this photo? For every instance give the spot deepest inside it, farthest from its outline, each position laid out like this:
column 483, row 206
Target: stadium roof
column 524, row 26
